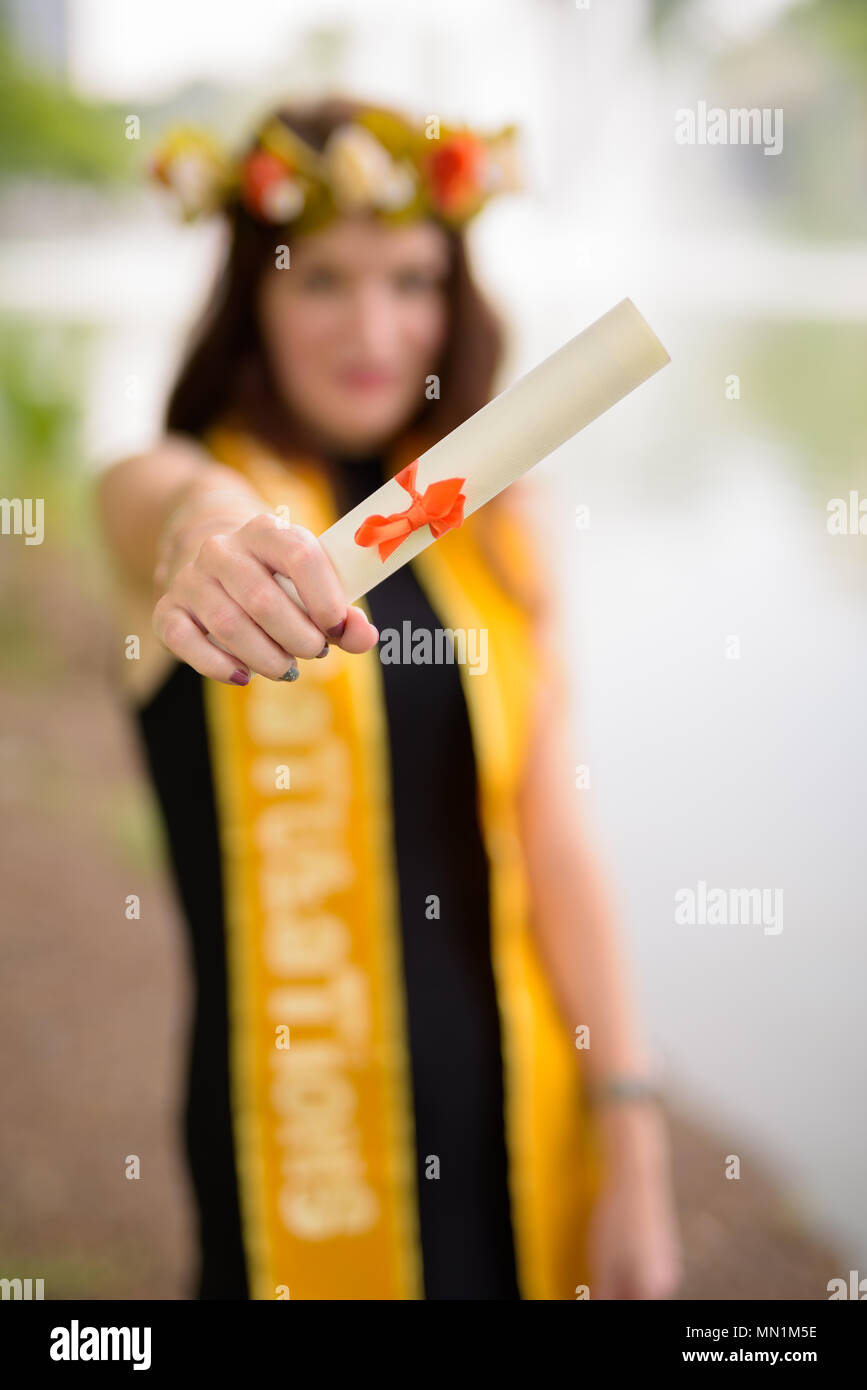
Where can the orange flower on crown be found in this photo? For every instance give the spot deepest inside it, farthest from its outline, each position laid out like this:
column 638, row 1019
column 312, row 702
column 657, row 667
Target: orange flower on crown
column 456, row 174
column 268, row 188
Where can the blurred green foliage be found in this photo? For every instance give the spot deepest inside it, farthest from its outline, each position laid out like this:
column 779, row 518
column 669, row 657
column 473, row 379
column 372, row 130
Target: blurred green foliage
column 838, row 26
column 43, row 369
column 119, row 1270
column 810, row 60
column 46, row 129
column 807, row 389
column 43, row 373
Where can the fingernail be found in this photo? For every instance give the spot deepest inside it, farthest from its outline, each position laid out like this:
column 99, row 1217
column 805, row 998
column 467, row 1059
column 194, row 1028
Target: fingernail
column 292, row 674
column 240, row 677
column 337, row 631
column 325, row 650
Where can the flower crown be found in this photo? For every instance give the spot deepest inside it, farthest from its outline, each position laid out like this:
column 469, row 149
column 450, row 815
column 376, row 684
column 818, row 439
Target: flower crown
column 376, row 162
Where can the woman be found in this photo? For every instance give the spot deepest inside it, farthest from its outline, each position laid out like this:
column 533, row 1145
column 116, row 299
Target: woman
column 401, row 937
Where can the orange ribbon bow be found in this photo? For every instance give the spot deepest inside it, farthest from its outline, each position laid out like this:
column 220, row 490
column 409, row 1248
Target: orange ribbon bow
column 441, row 508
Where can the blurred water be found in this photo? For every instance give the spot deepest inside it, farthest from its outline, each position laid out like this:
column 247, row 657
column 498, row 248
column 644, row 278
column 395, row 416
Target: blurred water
column 743, row 773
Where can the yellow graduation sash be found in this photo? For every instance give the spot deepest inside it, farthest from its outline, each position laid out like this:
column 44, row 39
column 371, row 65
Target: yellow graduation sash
column 319, row 1056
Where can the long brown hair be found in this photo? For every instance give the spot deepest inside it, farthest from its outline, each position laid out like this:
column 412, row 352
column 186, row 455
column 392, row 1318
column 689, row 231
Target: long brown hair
column 225, row 372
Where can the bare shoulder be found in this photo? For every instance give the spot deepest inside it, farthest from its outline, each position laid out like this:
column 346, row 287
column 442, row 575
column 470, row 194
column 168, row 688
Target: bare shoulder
column 170, row 453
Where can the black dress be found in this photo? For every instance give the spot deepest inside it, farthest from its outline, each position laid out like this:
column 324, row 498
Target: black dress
column 454, row 1034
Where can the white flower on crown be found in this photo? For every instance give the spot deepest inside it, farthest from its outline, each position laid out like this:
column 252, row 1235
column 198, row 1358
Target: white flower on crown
column 282, row 201
column 193, row 180
column 503, row 172
column 361, row 172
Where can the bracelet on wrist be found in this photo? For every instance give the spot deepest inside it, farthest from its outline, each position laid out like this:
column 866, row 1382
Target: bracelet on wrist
column 616, row 1090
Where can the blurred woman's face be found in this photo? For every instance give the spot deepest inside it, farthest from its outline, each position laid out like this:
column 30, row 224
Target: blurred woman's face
column 355, row 325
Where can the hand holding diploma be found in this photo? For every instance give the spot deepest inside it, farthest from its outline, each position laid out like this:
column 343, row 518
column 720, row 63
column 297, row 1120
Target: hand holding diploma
column 222, row 611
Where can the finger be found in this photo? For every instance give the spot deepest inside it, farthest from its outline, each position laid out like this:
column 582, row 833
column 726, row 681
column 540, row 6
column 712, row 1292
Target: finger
column 359, row 633
column 251, row 584
column 295, row 552
column 664, row 1279
column 182, row 636
column 226, row 621
column 354, row 633
column 602, row 1289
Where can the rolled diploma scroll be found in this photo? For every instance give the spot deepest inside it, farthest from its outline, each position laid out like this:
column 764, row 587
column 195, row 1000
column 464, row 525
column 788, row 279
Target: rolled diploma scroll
column 521, row 426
